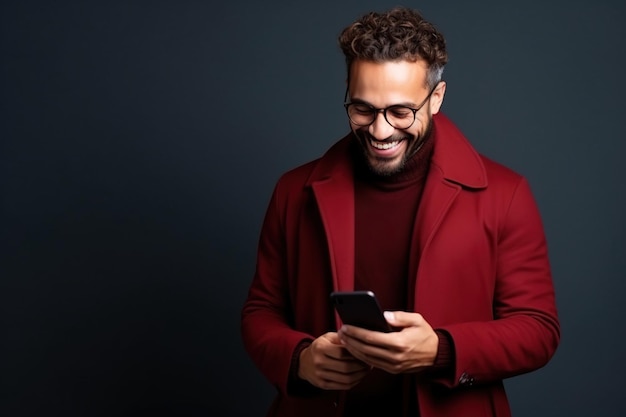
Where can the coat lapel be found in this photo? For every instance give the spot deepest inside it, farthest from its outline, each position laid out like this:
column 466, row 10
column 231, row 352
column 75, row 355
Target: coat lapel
column 333, row 187
column 436, row 201
column 454, row 165
column 337, row 211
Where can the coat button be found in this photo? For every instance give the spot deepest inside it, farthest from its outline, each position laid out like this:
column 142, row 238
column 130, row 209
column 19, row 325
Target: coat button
column 465, row 379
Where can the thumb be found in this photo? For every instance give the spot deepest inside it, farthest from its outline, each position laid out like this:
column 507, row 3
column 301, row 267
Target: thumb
column 403, row 318
column 332, row 337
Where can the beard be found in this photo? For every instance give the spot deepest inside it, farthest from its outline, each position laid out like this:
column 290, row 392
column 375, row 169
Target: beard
column 386, row 167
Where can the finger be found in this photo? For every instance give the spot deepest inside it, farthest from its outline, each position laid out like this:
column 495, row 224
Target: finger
column 403, row 318
column 342, row 366
column 332, row 356
column 368, row 354
column 377, row 357
column 333, row 347
column 338, row 352
column 332, row 337
column 364, row 350
column 363, row 336
column 338, row 381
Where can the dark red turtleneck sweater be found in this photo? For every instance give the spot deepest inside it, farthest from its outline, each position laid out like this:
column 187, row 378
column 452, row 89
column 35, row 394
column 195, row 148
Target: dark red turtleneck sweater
column 386, row 208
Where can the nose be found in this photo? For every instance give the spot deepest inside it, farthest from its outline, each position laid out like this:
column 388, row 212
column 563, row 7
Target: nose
column 380, row 129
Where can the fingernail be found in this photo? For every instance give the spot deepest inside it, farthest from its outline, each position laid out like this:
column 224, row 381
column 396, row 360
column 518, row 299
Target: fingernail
column 389, row 315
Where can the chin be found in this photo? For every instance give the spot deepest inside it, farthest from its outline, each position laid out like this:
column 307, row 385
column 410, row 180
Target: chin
column 386, row 168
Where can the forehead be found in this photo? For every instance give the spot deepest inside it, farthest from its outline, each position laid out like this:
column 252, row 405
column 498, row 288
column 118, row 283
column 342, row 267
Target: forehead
column 385, row 83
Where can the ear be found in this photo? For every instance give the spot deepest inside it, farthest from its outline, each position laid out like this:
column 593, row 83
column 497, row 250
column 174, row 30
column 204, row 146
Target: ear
column 436, row 99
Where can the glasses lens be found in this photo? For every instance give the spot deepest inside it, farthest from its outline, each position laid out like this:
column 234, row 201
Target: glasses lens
column 400, row 117
column 361, row 114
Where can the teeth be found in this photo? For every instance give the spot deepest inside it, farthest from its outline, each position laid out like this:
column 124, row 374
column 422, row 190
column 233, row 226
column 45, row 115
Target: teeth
column 384, row 145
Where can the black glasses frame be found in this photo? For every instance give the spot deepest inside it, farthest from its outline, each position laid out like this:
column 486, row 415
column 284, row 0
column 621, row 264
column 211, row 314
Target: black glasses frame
column 376, row 110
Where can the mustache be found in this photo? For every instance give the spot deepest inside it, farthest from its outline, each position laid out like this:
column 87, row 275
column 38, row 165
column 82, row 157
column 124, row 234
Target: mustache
column 393, row 138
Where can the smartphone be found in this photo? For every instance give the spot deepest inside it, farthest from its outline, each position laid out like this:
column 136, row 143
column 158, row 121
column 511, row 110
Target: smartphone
column 361, row 309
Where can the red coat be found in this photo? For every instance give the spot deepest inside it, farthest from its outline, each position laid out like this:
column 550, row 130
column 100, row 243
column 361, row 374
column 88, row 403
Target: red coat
column 483, row 276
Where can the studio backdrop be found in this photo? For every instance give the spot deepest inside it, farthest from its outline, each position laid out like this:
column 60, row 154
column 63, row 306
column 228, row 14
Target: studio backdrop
column 140, row 142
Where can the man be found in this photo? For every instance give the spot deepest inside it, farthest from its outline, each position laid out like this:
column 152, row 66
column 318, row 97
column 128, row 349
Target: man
column 450, row 242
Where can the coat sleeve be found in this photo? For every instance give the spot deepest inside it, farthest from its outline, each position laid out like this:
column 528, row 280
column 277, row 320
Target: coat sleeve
column 524, row 333
column 267, row 334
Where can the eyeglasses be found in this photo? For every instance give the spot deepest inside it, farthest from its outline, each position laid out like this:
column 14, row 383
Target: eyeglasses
column 398, row 116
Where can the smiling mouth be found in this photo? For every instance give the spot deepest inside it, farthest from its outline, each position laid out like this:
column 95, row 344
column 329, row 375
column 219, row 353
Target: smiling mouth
column 384, row 146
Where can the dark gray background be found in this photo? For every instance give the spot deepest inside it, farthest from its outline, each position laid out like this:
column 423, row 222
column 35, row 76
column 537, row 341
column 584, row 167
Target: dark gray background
column 140, row 143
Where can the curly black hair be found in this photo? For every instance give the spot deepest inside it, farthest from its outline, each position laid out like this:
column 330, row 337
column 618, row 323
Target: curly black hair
column 398, row 34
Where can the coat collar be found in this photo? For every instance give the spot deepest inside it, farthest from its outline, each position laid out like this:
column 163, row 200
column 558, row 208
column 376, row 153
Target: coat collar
column 455, row 156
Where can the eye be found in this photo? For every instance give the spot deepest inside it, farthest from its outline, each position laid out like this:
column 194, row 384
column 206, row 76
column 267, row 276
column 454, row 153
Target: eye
column 400, row 112
column 361, row 109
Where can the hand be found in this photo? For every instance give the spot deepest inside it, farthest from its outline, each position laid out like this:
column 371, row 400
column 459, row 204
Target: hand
column 409, row 350
column 328, row 365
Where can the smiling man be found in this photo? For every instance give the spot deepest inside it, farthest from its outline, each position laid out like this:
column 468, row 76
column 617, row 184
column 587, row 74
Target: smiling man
column 450, row 242
column 391, row 135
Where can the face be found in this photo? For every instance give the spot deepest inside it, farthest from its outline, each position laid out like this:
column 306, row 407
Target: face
column 386, row 149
